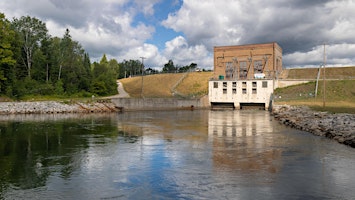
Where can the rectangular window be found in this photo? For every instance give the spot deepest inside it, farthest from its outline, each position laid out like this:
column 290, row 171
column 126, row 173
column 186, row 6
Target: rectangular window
column 224, row 91
column 234, row 91
column 254, row 91
column 215, row 84
column 244, row 90
column 229, row 70
column 234, row 84
column 242, row 69
column 244, row 84
column 254, row 84
column 224, row 84
column 264, row 84
column 258, row 66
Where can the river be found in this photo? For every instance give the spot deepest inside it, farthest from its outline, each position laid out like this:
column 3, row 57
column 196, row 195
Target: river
column 198, row 154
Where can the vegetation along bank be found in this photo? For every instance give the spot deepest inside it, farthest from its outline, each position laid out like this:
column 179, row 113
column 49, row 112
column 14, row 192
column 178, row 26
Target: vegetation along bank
column 339, row 127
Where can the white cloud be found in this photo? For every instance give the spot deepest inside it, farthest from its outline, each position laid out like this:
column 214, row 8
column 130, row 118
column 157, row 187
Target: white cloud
column 207, row 22
column 180, row 52
column 336, row 55
column 151, row 54
column 111, row 27
column 298, row 26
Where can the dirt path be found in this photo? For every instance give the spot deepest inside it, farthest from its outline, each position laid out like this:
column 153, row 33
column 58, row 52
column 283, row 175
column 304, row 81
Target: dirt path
column 121, row 92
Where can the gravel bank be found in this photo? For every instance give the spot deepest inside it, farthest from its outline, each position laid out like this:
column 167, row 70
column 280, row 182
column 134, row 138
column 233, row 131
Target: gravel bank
column 42, row 107
column 340, row 127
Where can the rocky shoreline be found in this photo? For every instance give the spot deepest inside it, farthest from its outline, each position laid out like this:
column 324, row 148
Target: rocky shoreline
column 339, row 127
column 53, row 107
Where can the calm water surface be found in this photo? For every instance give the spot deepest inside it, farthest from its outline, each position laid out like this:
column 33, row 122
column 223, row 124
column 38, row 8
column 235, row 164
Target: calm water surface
column 169, row 155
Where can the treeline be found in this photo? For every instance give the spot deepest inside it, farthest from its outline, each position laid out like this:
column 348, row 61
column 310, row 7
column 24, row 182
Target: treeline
column 32, row 62
column 132, row 68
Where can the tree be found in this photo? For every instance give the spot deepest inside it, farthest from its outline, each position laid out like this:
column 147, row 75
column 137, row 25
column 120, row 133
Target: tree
column 74, row 66
column 129, row 68
column 31, row 61
column 7, row 61
column 193, row 66
column 105, row 74
column 32, row 31
column 169, row 67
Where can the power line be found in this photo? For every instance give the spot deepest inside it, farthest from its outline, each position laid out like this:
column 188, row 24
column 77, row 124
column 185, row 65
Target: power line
column 324, row 62
column 142, row 75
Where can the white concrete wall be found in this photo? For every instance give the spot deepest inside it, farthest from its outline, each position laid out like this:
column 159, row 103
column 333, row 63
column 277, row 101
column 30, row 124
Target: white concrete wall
column 246, row 91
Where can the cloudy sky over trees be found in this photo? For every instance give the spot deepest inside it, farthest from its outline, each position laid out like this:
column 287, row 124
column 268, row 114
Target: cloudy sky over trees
column 186, row 31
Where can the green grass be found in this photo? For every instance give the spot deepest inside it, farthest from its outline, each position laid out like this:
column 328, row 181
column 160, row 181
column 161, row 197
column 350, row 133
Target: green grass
column 60, row 98
column 339, row 96
column 334, row 109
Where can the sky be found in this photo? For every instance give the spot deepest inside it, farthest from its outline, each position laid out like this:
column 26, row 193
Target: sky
column 186, row 31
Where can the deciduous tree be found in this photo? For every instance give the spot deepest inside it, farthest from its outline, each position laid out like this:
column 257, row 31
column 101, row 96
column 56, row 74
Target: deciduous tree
column 32, row 31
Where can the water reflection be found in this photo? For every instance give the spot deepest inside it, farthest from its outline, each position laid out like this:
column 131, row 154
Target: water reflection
column 34, row 147
column 243, row 141
column 169, row 155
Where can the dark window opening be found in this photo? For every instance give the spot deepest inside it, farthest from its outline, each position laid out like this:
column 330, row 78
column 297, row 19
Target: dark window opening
column 254, row 84
column 244, row 84
column 264, row 84
column 215, row 84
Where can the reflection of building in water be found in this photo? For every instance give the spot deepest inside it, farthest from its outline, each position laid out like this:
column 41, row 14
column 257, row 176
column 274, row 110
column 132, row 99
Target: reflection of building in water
column 243, row 140
column 232, row 123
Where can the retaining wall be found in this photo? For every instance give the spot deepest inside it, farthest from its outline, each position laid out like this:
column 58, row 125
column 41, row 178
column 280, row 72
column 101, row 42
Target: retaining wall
column 286, row 83
column 128, row 104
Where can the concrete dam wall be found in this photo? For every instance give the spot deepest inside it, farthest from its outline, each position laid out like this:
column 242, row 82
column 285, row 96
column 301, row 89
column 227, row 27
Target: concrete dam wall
column 128, row 104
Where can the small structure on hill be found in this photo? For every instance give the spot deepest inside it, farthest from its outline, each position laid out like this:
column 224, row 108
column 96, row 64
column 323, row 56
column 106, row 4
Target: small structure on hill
column 245, row 75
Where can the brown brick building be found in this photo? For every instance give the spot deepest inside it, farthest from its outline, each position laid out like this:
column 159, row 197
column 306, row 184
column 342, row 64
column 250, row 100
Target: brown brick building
column 247, row 61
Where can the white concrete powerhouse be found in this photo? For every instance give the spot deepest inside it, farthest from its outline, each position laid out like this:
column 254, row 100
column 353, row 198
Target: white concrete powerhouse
column 241, row 91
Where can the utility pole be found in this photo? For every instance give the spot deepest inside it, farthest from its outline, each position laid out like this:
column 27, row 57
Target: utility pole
column 324, row 62
column 142, row 75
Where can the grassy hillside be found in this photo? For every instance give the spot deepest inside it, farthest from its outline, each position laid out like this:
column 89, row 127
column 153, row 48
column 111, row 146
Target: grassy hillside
column 195, row 84
column 330, row 73
column 162, row 85
column 339, row 95
column 158, row 85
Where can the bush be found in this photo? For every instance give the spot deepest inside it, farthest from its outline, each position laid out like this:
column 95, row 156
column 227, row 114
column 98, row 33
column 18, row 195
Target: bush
column 98, row 87
column 59, row 87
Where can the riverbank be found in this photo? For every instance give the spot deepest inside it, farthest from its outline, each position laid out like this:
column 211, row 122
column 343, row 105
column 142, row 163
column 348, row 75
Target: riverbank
column 51, row 107
column 339, row 127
